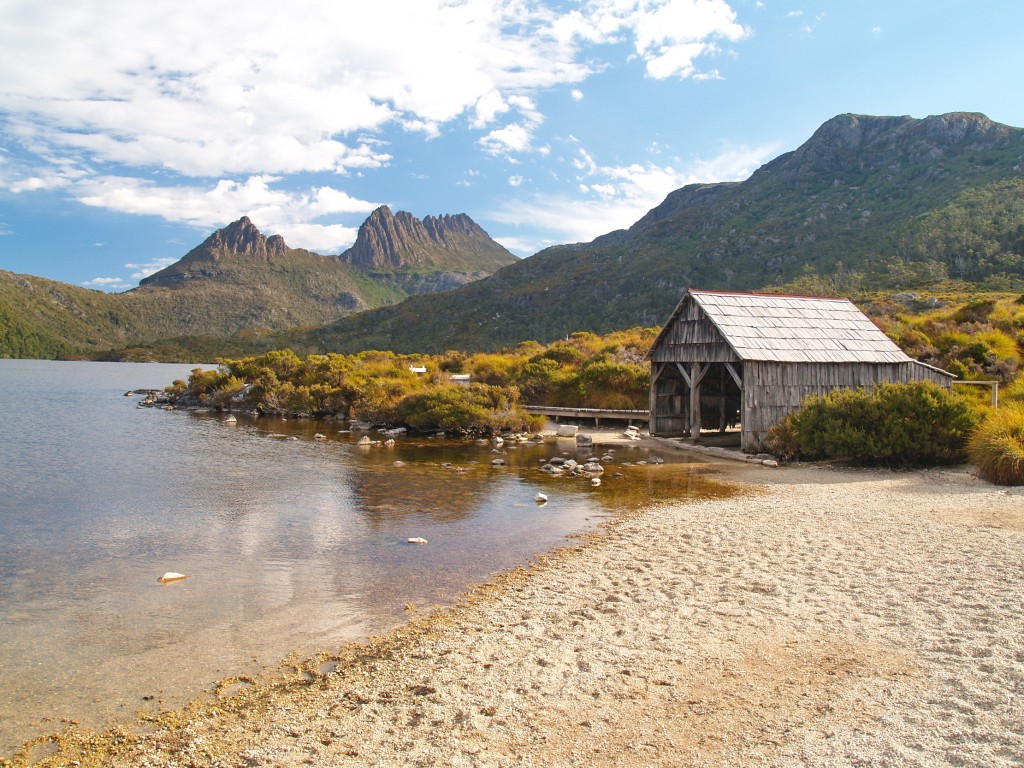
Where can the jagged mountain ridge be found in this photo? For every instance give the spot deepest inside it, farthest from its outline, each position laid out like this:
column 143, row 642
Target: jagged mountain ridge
column 237, row 281
column 400, row 241
column 865, row 203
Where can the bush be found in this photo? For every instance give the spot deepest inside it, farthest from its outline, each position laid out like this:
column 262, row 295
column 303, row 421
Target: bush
column 894, row 425
column 476, row 409
column 997, row 447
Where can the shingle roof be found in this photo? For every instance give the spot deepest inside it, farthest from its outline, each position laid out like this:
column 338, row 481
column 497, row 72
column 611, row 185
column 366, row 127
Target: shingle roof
column 797, row 329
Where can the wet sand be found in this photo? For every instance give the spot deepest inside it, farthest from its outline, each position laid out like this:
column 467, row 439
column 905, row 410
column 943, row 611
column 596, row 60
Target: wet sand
column 820, row 617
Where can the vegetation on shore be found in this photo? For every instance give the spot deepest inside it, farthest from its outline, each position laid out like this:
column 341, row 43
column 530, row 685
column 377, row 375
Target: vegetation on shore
column 422, row 392
column 893, row 425
column 997, row 447
column 975, row 337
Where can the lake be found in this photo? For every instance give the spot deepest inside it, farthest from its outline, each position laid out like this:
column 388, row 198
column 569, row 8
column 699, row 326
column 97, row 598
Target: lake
column 289, row 543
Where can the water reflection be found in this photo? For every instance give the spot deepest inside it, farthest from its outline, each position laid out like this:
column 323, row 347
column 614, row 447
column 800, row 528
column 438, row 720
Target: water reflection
column 288, row 544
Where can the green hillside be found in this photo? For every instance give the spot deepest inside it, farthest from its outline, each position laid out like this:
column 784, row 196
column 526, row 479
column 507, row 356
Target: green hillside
column 866, row 204
column 235, row 288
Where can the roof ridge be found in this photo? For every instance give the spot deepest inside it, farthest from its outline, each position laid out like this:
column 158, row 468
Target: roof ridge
column 759, row 294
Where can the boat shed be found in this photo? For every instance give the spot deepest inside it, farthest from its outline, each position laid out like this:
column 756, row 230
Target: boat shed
column 727, row 360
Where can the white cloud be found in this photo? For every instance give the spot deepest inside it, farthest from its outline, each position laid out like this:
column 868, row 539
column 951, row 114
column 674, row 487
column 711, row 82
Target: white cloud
column 712, row 74
column 615, row 197
column 511, row 138
column 198, row 114
column 521, row 246
column 190, row 88
column 149, row 268
column 276, row 211
column 107, row 283
column 515, row 181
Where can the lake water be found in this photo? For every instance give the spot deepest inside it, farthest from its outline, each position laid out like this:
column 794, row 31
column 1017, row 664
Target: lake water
column 288, row 544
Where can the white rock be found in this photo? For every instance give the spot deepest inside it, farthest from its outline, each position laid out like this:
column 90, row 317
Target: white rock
column 540, row 498
column 171, row 576
column 416, row 540
column 567, row 430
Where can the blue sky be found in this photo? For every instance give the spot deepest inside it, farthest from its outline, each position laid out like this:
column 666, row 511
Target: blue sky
column 131, row 130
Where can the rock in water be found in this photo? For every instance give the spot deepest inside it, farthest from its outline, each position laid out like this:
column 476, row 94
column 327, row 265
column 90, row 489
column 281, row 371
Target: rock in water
column 416, row 540
column 171, row 576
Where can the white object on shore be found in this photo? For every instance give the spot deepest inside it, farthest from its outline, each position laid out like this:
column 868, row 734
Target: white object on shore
column 540, row 498
column 171, row 576
column 416, row 540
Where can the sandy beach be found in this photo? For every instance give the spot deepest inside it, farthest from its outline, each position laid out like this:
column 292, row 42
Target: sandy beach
column 821, row 617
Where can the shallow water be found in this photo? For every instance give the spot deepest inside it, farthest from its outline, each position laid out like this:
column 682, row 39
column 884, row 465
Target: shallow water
column 288, row 544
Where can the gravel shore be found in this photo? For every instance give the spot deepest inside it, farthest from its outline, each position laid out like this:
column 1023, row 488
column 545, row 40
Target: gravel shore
column 822, row 617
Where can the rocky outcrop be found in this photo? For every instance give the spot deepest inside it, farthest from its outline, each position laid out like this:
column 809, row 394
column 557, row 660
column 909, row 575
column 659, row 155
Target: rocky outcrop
column 400, row 241
column 240, row 238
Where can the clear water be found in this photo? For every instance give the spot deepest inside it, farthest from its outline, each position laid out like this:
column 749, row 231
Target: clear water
column 288, row 544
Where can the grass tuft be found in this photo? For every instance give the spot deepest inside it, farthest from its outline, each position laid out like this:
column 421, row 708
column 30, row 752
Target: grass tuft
column 997, row 446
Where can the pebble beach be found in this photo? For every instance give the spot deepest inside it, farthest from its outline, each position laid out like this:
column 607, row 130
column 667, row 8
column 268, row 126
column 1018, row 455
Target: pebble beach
column 816, row 617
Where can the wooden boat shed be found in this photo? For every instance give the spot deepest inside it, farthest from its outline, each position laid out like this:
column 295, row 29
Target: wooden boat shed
column 747, row 359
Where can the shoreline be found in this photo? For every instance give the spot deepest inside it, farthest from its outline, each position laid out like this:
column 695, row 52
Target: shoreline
column 823, row 616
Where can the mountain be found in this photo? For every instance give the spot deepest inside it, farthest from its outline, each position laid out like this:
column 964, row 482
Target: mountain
column 867, row 203
column 400, row 241
column 239, row 284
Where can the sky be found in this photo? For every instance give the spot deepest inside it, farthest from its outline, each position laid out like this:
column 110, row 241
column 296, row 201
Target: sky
column 130, row 131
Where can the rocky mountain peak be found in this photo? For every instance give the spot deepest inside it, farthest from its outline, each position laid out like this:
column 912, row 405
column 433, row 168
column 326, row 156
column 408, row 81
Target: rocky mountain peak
column 239, row 238
column 879, row 142
column 389, row 240
column 244, row 237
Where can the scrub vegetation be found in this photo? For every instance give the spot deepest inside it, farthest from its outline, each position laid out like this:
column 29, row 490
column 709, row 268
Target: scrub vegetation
column 431, row 392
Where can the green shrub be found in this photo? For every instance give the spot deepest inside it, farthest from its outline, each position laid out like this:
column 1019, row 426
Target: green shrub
column 997, row 446
column 473, row 409
column 976, row 311
column 894, row 425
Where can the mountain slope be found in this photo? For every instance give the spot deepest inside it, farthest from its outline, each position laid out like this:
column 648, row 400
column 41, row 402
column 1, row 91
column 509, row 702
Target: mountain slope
column 865, row 203
column 236, row 282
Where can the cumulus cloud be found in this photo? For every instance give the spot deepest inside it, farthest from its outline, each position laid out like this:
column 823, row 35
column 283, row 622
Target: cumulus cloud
column 157, row 84
column 140, row 271
column 615, row 197
column 107, row 283
column 189, row 113
column 290, row 214
column 189, row 89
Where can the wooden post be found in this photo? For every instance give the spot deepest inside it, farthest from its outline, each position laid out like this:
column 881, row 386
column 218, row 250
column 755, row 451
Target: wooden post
column 695, row 378
column 653, row 412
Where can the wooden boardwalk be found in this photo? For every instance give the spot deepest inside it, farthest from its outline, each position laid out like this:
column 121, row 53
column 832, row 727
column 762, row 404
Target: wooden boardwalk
column 597, row 414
